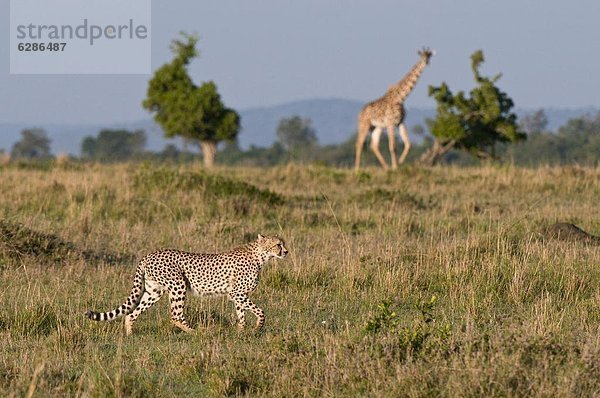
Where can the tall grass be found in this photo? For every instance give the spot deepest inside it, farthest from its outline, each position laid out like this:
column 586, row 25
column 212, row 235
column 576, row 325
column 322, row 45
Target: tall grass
column 435, row 282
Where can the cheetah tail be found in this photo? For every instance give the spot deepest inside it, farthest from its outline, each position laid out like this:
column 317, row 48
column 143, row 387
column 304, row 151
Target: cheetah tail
column 128, row 306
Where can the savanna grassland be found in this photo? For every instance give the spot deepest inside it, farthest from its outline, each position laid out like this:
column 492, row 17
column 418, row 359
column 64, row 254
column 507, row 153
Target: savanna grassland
column 421, row 282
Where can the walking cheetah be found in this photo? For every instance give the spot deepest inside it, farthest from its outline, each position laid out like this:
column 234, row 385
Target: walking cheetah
column 234, row 273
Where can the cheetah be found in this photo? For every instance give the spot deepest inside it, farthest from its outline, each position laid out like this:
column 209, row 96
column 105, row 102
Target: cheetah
column 234, row 273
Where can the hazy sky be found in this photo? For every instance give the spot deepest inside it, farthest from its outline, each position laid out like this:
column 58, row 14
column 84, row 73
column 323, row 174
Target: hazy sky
column 273, row 51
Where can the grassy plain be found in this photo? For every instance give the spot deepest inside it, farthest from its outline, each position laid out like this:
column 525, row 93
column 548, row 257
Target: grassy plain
column 421, row 282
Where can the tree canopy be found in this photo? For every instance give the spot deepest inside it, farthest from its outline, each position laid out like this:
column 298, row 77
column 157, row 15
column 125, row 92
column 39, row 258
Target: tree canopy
column 114, row 145
column 181, row 108
column 297, row 136
column 34, row 144
column 534, row 123
column 474, row 123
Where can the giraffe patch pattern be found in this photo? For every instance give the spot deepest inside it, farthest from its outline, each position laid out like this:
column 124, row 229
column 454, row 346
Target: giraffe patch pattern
column 388, row 113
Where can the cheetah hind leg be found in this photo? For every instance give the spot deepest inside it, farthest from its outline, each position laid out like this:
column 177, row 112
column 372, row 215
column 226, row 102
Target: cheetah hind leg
column 149, row 297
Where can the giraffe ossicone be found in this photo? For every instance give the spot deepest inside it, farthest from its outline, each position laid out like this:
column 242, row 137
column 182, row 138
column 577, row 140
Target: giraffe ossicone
column 388, row 113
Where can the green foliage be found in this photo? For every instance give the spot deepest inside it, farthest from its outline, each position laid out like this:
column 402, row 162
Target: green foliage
column 114, row 145
column 331, row 155
column 34, row 144
column 383, row 319
column 574, row 143
column 341, row 155
column 414, row 338
column 474, row 123
column 580, row 140
column 297, row 136
column 183, row 109
column 232, row 154
column 577, row 142
column 389, row 321
column 534, row 123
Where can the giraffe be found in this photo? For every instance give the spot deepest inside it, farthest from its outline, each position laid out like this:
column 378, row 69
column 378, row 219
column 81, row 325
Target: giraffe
column 388, row 112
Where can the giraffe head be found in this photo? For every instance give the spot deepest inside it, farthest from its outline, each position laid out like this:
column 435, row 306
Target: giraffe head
column 426, row 53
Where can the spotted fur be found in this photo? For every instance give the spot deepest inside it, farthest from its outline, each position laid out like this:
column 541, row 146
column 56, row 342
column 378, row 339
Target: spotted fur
column 234, row 273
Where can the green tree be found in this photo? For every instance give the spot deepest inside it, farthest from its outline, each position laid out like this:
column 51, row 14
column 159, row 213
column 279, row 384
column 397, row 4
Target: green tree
column 297, row 136
column 340, row 155
column 183, row 109
column 534, row 123
column 474, row 123
column 576, row 142
column 170, row 151
column 255, row 156
column 34, row 144
column 114, row 145
column 579, row 140
column 88, row 147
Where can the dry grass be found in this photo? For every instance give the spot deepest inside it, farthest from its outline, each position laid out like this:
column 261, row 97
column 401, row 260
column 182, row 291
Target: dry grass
column 424, row 282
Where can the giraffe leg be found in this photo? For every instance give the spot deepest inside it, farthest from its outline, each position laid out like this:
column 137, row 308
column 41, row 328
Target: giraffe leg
column 392, row 144
column 406, row 140
column 363, row 131
column 375, row 137
column 152, row 293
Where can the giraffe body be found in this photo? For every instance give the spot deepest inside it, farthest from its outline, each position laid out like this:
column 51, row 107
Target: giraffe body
column 388, row 113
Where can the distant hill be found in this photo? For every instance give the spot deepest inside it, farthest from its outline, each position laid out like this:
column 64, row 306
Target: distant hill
column 334, row 119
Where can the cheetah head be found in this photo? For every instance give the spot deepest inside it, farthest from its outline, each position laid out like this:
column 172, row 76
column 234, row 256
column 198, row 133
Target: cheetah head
column 272, row 245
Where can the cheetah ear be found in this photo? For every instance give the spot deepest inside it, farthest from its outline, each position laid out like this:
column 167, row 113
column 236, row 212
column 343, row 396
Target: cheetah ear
column 260, row 237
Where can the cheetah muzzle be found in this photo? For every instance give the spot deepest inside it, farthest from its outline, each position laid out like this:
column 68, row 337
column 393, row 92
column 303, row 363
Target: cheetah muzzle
column 234, row 273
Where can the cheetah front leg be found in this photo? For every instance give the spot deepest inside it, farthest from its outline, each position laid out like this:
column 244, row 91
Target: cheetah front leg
column 177, row 298
column 258, row 312
column 243, row 303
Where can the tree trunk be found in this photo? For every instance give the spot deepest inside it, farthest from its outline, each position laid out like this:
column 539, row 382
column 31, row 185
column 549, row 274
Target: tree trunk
column 435, row 153
column 209, row 150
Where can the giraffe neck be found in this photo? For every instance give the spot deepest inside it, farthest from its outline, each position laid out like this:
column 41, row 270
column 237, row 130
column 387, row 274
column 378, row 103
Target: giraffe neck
column 400, row 90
